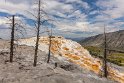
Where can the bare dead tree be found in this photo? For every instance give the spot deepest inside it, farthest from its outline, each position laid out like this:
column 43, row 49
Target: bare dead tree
column 40, row 19
column 12, row 39
column 14, row 27
column 105, row 54
column 50, row 42
column 38, row 31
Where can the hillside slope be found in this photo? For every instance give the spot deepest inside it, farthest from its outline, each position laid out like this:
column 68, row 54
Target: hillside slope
column 115, row 40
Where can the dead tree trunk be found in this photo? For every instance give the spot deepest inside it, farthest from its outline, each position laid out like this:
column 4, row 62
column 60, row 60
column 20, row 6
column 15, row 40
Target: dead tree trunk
column 105, row 55
column 50, row 41
column 37, row 39
column 12, row 39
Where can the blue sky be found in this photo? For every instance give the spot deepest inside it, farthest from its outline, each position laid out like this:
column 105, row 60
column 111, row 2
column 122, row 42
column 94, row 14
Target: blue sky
column 70, row 18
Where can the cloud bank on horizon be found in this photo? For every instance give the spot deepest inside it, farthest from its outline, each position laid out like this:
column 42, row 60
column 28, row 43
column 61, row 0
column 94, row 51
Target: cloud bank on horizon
column 73, row 18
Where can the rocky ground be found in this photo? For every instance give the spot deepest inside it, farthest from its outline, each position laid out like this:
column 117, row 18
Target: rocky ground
column 22, row 70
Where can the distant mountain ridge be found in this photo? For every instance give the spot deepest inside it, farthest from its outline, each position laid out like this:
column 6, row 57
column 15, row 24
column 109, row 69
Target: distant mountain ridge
column 115, row 40
column 76, row 39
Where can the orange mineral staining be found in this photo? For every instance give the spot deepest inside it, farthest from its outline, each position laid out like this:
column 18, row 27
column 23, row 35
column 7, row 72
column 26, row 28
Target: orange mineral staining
column 65, row 48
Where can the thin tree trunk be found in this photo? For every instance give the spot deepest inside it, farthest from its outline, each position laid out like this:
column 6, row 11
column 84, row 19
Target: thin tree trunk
column 12, row 39
column 105, row 55
column 50, row 41
column 37, row 39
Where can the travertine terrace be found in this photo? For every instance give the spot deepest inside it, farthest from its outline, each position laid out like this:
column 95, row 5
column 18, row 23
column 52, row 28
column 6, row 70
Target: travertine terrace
column 71, row 51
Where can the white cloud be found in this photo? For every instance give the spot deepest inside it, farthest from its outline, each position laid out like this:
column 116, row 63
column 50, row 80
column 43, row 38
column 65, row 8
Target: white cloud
column 78, row 27
column 4, row 31
column 3, row 20
column 12, row 8
column 84, row 4
column 114, row 8
column 71, row 29
column 54, row 7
